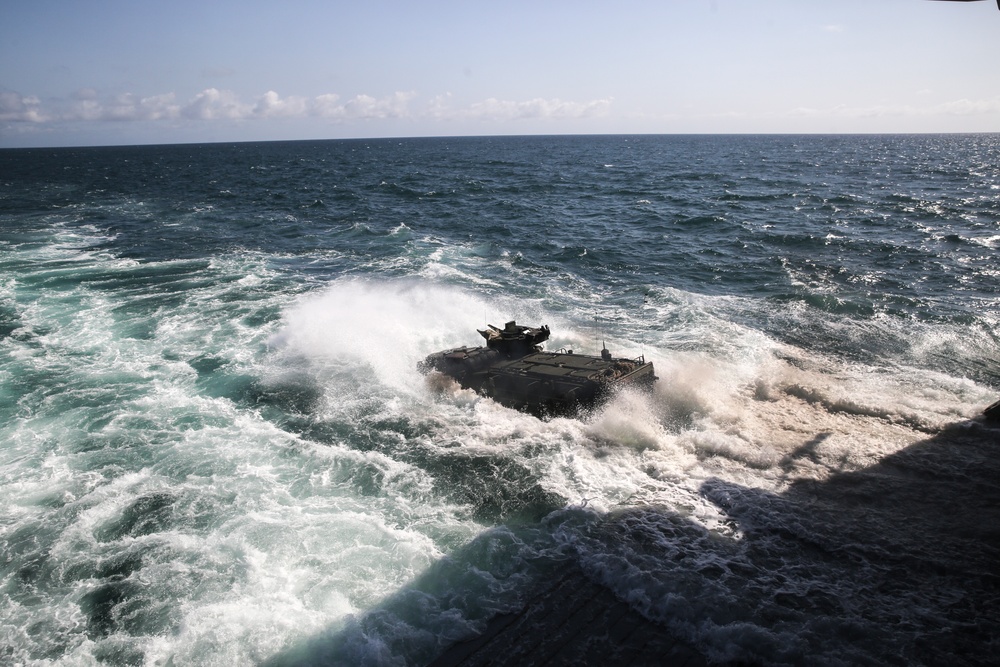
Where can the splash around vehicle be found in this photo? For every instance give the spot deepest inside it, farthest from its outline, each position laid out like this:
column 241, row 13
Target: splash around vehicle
column 514, row 370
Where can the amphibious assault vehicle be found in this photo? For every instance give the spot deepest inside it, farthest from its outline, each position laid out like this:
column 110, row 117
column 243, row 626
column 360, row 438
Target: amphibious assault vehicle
column 513, row 370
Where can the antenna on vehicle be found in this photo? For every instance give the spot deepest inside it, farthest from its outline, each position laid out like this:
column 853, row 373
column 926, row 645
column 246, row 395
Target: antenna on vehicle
column 605, row 352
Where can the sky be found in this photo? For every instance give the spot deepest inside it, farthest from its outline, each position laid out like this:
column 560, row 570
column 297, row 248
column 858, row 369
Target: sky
column 120, row 72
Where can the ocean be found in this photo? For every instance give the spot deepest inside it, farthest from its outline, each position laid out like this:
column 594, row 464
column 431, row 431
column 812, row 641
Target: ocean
column 216, row 449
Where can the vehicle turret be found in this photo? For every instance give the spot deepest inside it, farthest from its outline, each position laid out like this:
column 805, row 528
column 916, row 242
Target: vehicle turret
column 515, row 341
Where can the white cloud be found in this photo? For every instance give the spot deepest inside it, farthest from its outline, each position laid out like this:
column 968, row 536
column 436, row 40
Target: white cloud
column 125, row 107
column 14, row 107
column 326, row 105
column 394, row 106
column 270, row 105
column 439, row 107
column 214, row 104
column 538, row 108
column 361, row 107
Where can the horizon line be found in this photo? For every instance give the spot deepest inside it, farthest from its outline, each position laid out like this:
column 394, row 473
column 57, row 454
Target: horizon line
column 497, row 136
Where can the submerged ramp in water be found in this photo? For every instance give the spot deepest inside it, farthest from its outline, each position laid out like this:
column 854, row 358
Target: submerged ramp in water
column 897, row 562
column 574, row 622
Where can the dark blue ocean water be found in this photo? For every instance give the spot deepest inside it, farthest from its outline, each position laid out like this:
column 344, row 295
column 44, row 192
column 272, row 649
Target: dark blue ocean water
column 215, row 447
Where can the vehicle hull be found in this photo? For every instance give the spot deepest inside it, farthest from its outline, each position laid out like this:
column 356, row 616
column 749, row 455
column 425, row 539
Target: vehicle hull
column 541, row 382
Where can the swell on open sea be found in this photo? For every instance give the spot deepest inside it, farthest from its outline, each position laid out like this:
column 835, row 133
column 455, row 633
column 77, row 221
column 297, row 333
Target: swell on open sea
column 215, row 447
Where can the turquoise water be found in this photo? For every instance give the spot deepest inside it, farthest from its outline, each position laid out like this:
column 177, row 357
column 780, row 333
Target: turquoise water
column 216, row 448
